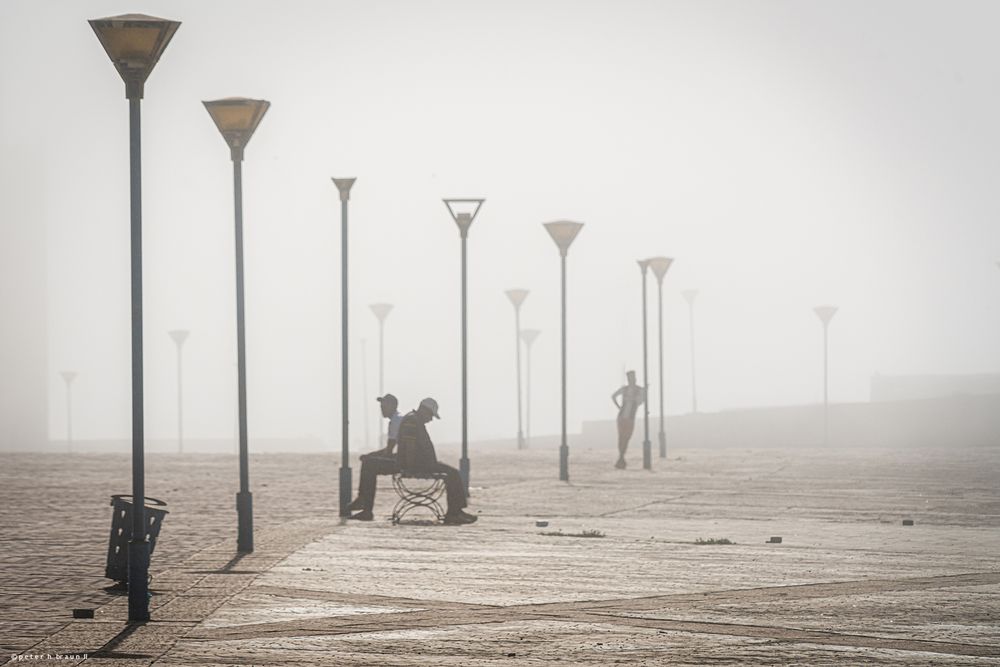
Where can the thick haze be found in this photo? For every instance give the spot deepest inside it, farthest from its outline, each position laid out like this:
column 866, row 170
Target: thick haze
column 786, row 154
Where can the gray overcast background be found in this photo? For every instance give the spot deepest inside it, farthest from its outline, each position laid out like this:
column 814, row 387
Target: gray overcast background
column 786, row 154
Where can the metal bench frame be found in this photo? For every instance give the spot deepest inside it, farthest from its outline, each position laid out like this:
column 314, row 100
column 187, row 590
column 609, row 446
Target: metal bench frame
column 418, row 490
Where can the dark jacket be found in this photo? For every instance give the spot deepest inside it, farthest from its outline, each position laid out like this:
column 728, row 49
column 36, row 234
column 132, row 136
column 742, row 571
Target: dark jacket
column 415, row 451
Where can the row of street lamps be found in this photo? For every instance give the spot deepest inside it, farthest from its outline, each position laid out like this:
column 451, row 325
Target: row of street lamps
column 134, row 43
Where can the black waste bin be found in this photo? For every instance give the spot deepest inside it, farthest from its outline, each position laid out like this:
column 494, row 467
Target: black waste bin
column 121, row 532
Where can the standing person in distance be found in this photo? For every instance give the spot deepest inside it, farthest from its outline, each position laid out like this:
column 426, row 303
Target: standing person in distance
column 632, row 396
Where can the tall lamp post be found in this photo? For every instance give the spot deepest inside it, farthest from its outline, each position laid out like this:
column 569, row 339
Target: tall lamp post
column 381, row 311
column 344, row 186
column 464, row 211
column 364, row 392
column 135, row 42
column 68, row 377
column 179, row 336
column 517, row 297
column 528, row 336
column 647, row 447
column 660, row 265
column 237, row 118
column 825, row 314
column 563, row 232
column 689, row 296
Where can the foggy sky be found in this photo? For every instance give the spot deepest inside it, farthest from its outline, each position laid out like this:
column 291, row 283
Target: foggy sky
column 786, row 154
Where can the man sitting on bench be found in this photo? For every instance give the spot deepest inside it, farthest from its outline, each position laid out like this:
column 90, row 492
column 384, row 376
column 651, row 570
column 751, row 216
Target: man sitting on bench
column 415, row 456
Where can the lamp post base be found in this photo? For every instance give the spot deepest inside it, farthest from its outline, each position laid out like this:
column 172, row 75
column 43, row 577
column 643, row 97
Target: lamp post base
column 138, row 580
column 521, row 444
column 663, row 445
column 345, row 490
column 244, row 522
column 463, row 471
column 563, row 463
column 647, row 455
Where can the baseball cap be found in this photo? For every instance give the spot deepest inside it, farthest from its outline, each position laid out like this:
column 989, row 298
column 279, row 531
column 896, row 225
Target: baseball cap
column 431, row 405
column 388, row 398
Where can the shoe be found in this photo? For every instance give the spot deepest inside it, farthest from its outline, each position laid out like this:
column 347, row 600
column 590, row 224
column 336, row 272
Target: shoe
column 621, row 464
column 459, row 518
column 363, row 515
column 356, row 505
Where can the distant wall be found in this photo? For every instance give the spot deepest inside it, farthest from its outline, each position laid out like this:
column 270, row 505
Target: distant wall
column 23, row 295
column 915, row 387
column 958, row 421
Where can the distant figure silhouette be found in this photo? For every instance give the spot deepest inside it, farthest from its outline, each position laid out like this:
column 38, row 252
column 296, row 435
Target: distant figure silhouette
column 632, row 396
column 414, row 454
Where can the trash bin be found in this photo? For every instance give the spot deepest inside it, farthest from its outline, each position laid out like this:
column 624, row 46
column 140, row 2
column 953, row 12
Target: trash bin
column 121, row 532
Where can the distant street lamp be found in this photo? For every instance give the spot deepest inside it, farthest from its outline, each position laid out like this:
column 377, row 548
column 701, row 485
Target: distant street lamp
column 364, row 392
column 825, row 314
column 135, row 42
column 689, row 296
column 563, row 232
column 647, row 446
column 179, row 336
column 517, row 297
column 464, row 211
column 381, row 311
column 68, row 377
column 528, row 336
column 660, row 265
column 344, row 186
column 237, row 118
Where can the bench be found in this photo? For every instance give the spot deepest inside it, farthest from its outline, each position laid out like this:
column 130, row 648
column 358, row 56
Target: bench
column 416, row 490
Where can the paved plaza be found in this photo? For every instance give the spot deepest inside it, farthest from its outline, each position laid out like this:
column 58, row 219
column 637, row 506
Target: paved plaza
column 848, row 584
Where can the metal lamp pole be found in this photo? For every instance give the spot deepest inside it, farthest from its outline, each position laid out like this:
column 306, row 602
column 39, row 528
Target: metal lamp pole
column 660, row 265
column 517, row 297
column 825, row 314
column 135, row 42
column 381, row 311
column 647, row 447
column 464, row 220
column 344, row 187
column 689, row 296
column 237, row 118
column 68, row 377
column 528, row 336
column 563, row 232
column 179, row 336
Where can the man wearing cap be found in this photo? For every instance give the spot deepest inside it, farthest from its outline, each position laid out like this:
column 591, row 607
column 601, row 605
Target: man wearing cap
column 415, row 454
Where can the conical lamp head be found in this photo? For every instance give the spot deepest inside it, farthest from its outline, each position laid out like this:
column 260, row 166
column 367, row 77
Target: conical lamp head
column 563, row 232
column 660, row 265
column 689, row 295
column 134, row 42
column 381, row 310
column 825, row 313
column 529, row 336
column 237, row 119
column 179, row 336
column 68, row 376
column 517, row 296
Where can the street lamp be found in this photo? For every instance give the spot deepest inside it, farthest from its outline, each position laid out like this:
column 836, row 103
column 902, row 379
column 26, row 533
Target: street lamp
column 825, row 314
column 344, row 186
column 237, row 118
column 464, row 211
column 689, row 296
column 135, row 42
column 68, row 377
column 647, row 447
column 563, row 232
column 660, row 265
column 381, row 311
column 528, row 336
column 517, row 297
column 179, row 336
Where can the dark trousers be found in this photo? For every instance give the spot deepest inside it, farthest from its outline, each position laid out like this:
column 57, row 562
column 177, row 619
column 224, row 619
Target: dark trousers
column 373, row 466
